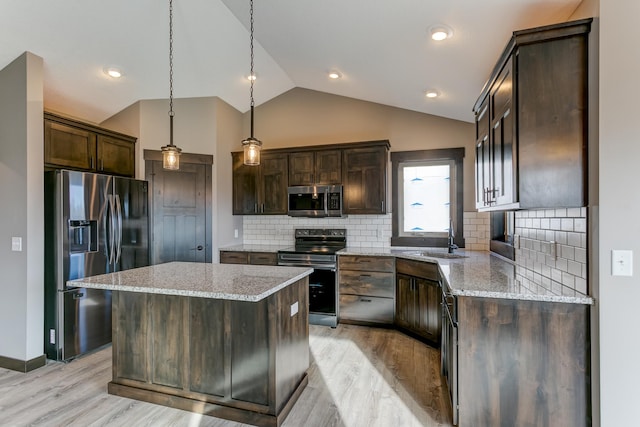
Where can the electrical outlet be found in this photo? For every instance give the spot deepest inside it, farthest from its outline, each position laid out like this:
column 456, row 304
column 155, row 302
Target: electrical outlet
column 294, row 308
column 621, row 263
column 235, row 233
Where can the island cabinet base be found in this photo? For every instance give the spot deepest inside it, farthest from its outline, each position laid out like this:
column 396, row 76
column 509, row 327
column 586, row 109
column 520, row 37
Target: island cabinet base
column 523, row 363
column 237, row 360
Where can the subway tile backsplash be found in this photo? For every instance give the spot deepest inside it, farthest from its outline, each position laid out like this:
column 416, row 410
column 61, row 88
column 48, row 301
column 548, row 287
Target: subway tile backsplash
column 370, row 231
column 553, row 250
column 366, row 231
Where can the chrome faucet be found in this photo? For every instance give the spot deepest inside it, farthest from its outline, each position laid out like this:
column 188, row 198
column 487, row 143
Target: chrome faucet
column 452, row 234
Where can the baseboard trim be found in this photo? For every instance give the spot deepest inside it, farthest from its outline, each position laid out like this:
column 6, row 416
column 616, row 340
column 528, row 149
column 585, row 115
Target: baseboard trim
column 22, row 365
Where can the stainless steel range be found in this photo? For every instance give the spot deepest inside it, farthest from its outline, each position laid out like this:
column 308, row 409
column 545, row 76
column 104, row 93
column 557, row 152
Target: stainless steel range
column 317, row 248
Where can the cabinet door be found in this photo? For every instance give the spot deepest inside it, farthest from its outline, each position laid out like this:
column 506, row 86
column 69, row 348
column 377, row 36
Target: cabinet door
column 116, row 156
column 301, row 168
column 364, row 180
column 429, row 312
column 328, row 167
column 502, row 138
column 245, row 186
column 483, row 165
column 69, row 147
column 273, row 184
column 404, row 301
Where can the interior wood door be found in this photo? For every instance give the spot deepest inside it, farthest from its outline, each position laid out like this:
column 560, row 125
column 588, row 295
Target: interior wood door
column 180, row 217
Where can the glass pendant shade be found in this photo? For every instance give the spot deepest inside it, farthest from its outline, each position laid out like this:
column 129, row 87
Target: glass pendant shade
column 171, row 157
column 252, row 149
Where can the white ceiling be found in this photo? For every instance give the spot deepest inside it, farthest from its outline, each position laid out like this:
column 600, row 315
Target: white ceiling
column 380, row 46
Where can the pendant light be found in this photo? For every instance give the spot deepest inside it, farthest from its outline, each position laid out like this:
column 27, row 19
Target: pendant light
column 171, row 153
column 251, row 145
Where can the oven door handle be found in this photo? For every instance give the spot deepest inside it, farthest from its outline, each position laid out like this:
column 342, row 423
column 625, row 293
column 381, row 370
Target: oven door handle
column 316, row 267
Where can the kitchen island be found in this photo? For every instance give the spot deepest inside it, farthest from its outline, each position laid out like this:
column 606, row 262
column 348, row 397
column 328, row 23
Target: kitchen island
column 230, row 341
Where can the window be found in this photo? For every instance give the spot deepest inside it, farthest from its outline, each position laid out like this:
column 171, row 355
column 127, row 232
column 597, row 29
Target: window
column 427, row 197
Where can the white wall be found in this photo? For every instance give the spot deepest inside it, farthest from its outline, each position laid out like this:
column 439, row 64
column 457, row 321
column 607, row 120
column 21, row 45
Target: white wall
column 22, row 209
column 619, row 210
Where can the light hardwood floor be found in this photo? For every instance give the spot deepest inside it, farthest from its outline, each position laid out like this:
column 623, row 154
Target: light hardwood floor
column 359, row 376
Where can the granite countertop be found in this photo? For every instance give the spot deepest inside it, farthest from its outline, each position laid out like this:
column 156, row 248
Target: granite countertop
column 256, row 248
column 219, row 281
column 480, row 274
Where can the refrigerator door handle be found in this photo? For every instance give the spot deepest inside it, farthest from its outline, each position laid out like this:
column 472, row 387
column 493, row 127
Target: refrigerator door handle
column 118, row 229
column 112, row 226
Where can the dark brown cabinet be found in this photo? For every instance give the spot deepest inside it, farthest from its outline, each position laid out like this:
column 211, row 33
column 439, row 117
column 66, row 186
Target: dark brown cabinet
column 242, row 257
column 366, row 289
column 531, row 121
column 71, row 144
column 260, row 189
column 322, row 167
column 522, row 363
column 418, row 299
column 364, row 179
column 360, row 167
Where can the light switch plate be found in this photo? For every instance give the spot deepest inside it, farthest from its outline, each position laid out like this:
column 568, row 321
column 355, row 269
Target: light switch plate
column 16, row 244
column 621, row 263
column 294, row 308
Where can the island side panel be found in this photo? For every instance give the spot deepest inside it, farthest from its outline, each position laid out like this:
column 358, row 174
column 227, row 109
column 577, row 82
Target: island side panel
column 131, row 340
column 292, row 351
column 523, row 363
column 207, row 345
column 250, row 345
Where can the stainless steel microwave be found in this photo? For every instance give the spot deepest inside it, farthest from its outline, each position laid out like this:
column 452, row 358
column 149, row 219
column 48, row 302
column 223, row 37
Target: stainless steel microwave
column 315, row 200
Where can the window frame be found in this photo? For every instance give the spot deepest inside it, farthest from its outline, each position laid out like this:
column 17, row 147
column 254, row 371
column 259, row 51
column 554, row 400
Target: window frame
column 405, row 158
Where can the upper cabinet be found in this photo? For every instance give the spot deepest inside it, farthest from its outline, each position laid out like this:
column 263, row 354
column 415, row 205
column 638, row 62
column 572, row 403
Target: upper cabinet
column 260, row 189
column 321, row 167
column 71, row 144
column 361, row 169
column 531, row 121
column 364, row 179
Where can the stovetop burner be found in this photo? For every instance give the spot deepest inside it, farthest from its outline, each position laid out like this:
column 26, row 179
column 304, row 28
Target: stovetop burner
column 318, row 241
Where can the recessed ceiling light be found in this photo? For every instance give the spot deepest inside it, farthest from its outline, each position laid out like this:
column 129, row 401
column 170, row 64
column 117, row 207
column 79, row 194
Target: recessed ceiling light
column 113, row 71
column 432, row 93
column 440, row 32
column 334, row 75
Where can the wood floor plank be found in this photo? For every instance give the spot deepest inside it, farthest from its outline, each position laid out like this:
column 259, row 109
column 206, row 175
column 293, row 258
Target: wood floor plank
column 359, row 377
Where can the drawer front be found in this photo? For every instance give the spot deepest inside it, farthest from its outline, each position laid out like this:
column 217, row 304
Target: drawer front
column 234, row 257
column 425, row 270
column 263, row 258
column 366, row 263
column 372, row 283
column 366, row 309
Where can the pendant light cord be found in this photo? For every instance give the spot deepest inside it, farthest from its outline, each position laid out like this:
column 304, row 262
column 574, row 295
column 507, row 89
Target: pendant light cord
column 171, row 113
column 252, row 76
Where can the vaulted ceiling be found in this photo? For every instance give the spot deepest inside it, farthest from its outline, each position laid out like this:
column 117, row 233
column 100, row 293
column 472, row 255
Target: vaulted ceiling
column 381, row 48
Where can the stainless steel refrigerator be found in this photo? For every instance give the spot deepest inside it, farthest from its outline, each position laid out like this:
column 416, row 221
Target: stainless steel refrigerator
column 94, row 224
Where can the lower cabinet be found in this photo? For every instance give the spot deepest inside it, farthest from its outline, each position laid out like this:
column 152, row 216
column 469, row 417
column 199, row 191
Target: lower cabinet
column 242, row 257
column 366, row 289
column 523, row 363
column 418, row 299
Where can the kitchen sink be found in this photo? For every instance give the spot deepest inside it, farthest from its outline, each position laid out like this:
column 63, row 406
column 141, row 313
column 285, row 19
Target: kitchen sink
column 447, row 255
column 435, row 254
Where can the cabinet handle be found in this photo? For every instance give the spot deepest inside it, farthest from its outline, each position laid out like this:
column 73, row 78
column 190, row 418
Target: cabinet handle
column 91, row 162
column 255, row 208
column 365, row 300
column 365, row 275
column 262, row 211
column 101, row 164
